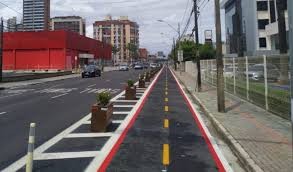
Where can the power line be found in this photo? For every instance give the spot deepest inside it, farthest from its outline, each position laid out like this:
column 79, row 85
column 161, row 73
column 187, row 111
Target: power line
column 185, row 11
column 10, row 8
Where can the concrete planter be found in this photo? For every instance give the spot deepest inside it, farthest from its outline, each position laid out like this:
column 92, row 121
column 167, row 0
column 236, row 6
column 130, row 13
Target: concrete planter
column 147, row 77
column 101, row 117
column 141, row 83
column 130, row 93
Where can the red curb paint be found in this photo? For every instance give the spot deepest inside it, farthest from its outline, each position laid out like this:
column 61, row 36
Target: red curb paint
column 115, row 148
column 207, row 140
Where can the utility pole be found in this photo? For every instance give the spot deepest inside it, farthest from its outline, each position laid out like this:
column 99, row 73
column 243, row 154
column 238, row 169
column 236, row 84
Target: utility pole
column 220, row 78
column 1, row 50
column 197, row 45
column 174, row 53
column 282, row 41
column 290, row 22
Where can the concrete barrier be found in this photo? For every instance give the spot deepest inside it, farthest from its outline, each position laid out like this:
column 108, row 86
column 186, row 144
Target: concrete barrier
column 34, row 76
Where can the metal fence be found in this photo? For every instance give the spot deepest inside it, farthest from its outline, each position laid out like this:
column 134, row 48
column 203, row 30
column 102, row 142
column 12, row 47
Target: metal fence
column 262, row 80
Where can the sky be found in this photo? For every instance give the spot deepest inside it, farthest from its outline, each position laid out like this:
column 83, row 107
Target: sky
column 154, row 35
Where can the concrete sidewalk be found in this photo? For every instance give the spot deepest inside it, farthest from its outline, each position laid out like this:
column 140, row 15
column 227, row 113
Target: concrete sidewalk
column 261, row 140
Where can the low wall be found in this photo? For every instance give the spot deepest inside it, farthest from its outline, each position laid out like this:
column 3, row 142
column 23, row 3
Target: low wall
column 190, row 68
column 34, row 76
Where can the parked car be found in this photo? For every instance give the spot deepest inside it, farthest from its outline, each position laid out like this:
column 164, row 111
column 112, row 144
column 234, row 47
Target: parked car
column 154, row 65
column 91, row 71
column 123, row 68
column 256, row 72
column 146, row 65
column 138, row 67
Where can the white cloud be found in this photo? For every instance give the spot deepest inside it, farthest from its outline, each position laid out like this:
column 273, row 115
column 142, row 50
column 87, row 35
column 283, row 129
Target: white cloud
column 144, row 12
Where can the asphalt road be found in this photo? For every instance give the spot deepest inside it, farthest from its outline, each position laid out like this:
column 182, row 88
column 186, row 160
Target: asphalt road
column 142, row 149
column 53, row 106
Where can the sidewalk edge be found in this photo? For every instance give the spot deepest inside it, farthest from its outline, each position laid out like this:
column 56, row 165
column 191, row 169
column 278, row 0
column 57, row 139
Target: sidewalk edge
column 244, row 158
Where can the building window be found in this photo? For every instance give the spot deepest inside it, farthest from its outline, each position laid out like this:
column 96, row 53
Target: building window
column 262, row 23
column 262, row 6
column 262, row 43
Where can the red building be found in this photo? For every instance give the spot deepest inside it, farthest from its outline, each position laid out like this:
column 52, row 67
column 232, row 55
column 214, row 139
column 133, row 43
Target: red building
column 51, row 50
column 143, row 53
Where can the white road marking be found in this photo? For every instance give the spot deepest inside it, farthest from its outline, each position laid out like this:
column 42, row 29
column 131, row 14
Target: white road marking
column 124, row 101
column 87, row 122
column 121, row 113
column 93, row 91
column 21, row 162
column 83, row 135
column 66, row 155
column 59, row 96
column 91, row 85
column 10, row 95
column 2, row 113
column 85, row 90
column 117, row 121
column 123, row 106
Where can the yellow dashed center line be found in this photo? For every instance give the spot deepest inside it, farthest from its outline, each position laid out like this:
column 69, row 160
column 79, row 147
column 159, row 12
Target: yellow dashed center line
column 166, row 93
column 166, row 123
column 166, row 154
column 166, row 108
column 166, row 99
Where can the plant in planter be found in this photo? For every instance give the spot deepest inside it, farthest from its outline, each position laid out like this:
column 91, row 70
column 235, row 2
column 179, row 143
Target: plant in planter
column 147, row 77
column 141, row 82
column 130, row 91
column 101, row 112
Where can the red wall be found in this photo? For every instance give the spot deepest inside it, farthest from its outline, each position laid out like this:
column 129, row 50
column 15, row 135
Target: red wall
column 49, row 49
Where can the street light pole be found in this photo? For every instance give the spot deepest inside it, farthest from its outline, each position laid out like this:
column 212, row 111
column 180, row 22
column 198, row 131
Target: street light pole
column 220, row 77
column 1, row 50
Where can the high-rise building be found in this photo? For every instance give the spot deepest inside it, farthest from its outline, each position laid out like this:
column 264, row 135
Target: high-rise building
column 255, row 23
column 71, row 23
column 36, row 15
column 120, row 33
column 11, row 24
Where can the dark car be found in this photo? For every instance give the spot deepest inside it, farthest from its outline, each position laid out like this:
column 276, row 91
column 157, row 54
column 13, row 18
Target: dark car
column 91, row 71
column 138, row 66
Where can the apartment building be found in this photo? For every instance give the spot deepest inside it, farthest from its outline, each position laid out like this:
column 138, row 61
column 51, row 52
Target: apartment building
column 251, row 26
column 119, row 33
column 36, row 15
column 11, row 24
column 69, row 23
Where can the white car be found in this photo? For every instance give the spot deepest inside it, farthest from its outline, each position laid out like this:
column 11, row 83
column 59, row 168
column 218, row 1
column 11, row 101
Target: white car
column 123, row 68
column 154, row 65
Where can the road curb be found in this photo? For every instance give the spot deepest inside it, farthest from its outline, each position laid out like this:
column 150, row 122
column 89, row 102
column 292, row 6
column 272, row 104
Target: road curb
column 246, row 161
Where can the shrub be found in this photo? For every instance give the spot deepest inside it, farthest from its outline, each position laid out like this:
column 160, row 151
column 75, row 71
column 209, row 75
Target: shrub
column 130, row 83
column 103, row 98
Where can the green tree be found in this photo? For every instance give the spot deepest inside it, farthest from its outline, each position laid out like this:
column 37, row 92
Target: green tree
column 132, row 50
column 207, row 51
